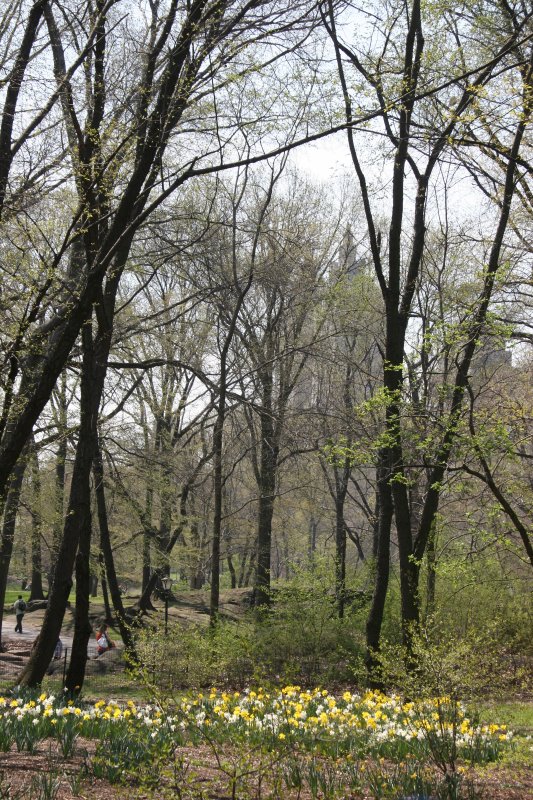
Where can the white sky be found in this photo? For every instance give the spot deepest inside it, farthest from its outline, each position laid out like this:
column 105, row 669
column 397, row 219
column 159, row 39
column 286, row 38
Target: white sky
column 325, row 160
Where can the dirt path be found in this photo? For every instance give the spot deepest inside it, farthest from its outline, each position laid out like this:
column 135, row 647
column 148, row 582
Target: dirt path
column 31, row 626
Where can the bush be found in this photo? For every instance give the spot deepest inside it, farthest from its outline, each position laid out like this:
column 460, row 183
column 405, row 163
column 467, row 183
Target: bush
column 299, row 637
column 302, row 639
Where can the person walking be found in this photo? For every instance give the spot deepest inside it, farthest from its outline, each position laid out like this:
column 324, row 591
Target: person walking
column 20, row 609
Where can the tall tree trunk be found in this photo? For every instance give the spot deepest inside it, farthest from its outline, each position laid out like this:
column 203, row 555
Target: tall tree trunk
column 124, row 622
column 267, row 494
column 218, row 433
column 242, row 566
column 103, row 581
column 166, row 498
column 313, row 528
column 231, row 568
column 339, row 490
column 340, row 554
column 147, row 565
column 36, row 592
column 382, row 567
column 247, row 579
column 286, row 552
column 60, row 467
column 144, row 601
column 218, row 439
column 148, row 505
column 196, row 577
column 89, row 405
column 8, row 528
column 77, row 524
column 82, row 626
column 375, row 525
column 431, row 562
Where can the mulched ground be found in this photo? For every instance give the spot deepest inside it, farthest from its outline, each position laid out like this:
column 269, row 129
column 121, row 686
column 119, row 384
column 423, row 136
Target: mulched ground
column 23, row 775
column 200, row 775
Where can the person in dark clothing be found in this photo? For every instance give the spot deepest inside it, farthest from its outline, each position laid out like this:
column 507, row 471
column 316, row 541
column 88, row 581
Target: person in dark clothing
column 20, row 609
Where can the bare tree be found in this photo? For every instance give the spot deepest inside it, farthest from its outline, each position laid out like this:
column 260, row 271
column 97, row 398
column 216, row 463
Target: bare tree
column 421, row 114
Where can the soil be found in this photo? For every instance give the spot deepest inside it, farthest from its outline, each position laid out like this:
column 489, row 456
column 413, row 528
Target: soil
column 22, row 775
column 201, row 775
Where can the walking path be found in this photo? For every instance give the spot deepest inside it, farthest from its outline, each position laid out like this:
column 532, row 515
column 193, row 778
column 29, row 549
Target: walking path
column 18, row 647
column 30, row 631
column 31, row 627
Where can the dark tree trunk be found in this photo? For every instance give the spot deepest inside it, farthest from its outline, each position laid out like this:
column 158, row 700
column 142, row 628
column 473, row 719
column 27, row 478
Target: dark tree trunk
column 313, row 529
column 286, row 553
column 340, row 555
column 144, row 602
column 247, row 580
column 339, row 492
column 196, row 572
column 77, row 524
column 8, row 528
column 148, row 504
column 82, row 626
column 218, row 441
column 242, row 567
column 431, row 562
column 89, row 404
column 375, row 525
column 107, row 551
column 231, row 568
column 267, row 493
column 147, row 567
column 36, row 592
column 218, row 434
column 60, row 465
column 165, row 524
column 103, row 581
column 275, row 559
column 382, row 567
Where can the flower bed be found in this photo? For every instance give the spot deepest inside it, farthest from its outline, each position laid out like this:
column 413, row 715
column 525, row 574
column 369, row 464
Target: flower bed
column 371, row 724
column 313, row 737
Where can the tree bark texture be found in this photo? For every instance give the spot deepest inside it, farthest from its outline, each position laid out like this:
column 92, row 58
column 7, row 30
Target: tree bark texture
column 36, row 592
column 8, row 528
column 77, row 525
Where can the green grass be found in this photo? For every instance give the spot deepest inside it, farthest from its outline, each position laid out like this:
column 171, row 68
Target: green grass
column 97, row 687
column 12, row 595
column 517, row 714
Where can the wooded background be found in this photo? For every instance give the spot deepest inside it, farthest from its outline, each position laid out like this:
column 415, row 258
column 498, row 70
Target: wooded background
column 217, row 367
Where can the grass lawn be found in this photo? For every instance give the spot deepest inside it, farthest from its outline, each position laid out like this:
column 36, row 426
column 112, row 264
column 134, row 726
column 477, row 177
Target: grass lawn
column 12, row 595
column 518, row 714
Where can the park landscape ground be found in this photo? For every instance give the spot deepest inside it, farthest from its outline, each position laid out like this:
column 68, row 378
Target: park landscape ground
column 216, row 367
column 298, row 743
